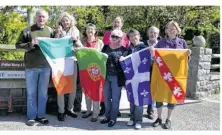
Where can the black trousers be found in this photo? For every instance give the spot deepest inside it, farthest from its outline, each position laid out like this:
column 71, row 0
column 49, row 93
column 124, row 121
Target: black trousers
column 78, row 99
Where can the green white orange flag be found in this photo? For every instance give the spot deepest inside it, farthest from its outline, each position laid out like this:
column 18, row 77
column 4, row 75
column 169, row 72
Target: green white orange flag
column 92, row 71
column 59, row 54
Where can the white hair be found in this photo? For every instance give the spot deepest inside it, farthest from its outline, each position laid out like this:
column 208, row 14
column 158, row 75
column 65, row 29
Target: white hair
column 117, row 32
column 154, row 29
column 42, row 11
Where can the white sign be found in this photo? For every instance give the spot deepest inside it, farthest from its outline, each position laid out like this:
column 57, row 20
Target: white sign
column 7, row 74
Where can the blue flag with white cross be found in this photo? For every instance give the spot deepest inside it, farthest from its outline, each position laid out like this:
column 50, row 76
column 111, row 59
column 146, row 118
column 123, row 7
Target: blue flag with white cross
column 136, row 68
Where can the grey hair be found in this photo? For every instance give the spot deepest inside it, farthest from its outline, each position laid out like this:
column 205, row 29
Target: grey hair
column 42, row 11
column 121, row 18
column 132, row 31
column 153, row 28
column 65, row 14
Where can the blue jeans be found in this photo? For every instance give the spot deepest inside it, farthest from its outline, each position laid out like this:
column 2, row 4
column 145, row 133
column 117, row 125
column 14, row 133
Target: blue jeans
column 150, row 108
column 37, row 80
column 111, row 97
column 169, row 106
column 136, row 113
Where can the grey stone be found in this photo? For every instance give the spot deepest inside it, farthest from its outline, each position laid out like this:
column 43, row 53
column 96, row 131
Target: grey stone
column 199, row 41
column 201, row 65
column 202, row 83
column 214, row 77
column 201, row 72
column 208, row 51
column 207, row 71
column 196, row 51
column 207, row 58
column 207, row 66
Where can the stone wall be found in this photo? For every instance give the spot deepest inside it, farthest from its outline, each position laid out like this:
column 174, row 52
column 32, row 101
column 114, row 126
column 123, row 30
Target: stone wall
column 201, row 82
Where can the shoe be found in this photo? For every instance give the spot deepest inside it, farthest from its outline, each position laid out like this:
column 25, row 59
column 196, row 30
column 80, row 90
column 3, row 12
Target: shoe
column 93, row 119
column 30, row 122
column 72, row 114
column 104, row 121
column 130, row 123
column 167, row 125
column 119, row 114
column 150, row 116
column 102, row 112
column 138, row 126
column 61, row 117
column 87, row 114
column 43, row 121
column 77, row 109
column 111, row 123
column 157, row 122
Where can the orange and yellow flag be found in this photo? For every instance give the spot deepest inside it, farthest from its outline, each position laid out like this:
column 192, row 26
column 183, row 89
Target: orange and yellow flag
column 169, row 75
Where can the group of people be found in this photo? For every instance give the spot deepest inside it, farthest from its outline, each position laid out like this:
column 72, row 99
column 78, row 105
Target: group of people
column 115, row 43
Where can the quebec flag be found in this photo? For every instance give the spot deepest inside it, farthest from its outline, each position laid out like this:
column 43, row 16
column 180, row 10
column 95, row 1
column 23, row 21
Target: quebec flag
column 136, row 68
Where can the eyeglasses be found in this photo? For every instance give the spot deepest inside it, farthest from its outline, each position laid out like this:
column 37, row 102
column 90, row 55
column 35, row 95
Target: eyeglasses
column 116, row 37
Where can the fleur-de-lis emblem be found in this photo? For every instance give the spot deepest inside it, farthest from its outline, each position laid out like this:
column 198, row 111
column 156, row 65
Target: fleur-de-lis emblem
column 128, row 93
column 177, row 91
column 144, row 60
column 127, row 70
column 144, row 93
column 167, row 76
column 158, row 60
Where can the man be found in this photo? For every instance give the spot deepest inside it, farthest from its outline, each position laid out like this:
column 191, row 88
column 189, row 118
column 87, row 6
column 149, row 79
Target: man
column 116, row 24
column 37, row 71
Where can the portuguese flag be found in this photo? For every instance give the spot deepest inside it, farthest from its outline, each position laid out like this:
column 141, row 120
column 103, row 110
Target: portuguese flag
column 92, row 71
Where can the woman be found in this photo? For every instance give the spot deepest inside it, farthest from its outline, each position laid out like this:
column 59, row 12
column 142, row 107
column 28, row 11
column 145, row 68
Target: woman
column 152, row 33
column 114, row 77
column 67, row 28
column 91, row 40
column 136, row 112
column 117, row 23
column 172, row 41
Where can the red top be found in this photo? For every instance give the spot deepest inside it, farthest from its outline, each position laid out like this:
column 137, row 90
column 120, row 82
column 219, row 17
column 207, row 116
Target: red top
column 91, row 44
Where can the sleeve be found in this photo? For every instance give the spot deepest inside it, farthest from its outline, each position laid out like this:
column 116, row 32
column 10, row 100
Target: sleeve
column 23, row 41
column 184, row 44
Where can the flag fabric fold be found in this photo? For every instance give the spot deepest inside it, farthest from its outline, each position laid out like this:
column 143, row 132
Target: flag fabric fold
column 92, row 72
column 59, row 54
column 136, row 69
column 169, row 76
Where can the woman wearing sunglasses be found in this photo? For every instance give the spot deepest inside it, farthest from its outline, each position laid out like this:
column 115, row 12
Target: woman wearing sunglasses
column 114, row 77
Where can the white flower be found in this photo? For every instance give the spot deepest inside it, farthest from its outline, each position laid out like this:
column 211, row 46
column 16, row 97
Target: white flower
column 158, row 60
column 127, row 70
column 167, row 76
column 177, row 91
column 144, row 93
column 144, row 60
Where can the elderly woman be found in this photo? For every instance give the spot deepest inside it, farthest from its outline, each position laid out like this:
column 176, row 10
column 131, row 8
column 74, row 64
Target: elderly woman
column 172, row 41
column 116, row 24
column 67, row 28
column 136, row 112
column 114, row 77
column 91, row 40
column 152, row 33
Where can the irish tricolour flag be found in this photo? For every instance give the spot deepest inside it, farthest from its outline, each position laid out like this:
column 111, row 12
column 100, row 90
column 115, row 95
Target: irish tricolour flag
column 59, row 54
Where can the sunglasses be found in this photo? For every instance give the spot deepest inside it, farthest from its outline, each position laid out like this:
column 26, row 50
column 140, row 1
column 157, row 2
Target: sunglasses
column 116, row 37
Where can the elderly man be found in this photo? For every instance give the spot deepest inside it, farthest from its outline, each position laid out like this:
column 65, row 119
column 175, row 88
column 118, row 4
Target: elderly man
column 37, row 71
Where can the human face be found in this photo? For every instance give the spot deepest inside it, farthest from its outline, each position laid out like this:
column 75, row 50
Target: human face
column 66, row 23
column 115, row 39
column 117, row 23
column 134, row 38
column 152, row 34
column 41, row 19
column 90, row 31
column 171, row 30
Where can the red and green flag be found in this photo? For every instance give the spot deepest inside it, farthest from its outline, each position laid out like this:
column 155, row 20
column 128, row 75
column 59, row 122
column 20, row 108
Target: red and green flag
column 92, row 71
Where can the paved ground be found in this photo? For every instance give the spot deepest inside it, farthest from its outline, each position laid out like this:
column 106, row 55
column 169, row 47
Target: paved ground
column 204, row 115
